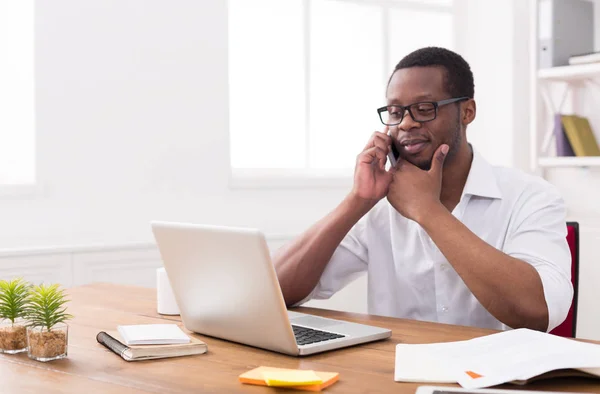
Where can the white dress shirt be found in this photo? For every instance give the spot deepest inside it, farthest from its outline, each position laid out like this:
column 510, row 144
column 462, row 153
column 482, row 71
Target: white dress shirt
column 522, row 215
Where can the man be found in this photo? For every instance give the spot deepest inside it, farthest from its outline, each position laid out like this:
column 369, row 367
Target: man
column 455, row 240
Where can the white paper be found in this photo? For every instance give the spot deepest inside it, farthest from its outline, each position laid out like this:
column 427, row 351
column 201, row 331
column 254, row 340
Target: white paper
column 152, row 334
column 504, row 357
column 424, row 363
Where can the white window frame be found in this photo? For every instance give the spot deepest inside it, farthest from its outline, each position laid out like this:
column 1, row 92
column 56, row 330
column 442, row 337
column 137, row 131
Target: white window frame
column 266, row 178
column 9, row 191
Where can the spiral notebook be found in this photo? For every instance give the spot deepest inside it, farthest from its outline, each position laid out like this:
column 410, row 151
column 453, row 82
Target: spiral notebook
column 113, row 342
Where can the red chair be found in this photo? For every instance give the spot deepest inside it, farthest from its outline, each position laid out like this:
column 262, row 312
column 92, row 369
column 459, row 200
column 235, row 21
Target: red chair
column 569, row 326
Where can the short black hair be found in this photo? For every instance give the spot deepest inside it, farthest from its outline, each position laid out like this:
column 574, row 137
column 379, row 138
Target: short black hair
column 459, row 77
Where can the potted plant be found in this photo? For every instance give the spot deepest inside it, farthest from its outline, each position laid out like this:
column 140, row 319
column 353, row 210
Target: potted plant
column 14, row 296
column 47, row 332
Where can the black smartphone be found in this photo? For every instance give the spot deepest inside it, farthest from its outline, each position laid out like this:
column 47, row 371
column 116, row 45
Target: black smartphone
column 393, row 155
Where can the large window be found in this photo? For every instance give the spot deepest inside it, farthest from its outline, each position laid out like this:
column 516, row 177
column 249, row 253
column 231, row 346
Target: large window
column 306, row 76
column 17, row 111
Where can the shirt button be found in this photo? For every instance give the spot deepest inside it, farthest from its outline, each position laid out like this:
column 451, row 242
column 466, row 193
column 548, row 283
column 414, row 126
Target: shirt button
column 444, row 309
column 444, row 266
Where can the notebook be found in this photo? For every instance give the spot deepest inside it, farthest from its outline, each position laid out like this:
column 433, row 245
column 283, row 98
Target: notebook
column 113, row 341
column 515, row 356
column 307, row 380
column 152, row 334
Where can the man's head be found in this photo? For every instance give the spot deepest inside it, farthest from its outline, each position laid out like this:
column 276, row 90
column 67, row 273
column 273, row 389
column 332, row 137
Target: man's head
column 430, row 75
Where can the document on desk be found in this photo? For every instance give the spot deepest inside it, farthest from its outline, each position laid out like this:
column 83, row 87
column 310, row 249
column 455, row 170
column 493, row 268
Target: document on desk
column 515, row 356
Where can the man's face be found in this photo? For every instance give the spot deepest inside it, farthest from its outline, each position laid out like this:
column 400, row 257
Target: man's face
column 417, row 142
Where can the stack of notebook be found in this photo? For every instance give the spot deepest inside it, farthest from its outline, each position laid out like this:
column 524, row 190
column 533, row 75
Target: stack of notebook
column 150, row 341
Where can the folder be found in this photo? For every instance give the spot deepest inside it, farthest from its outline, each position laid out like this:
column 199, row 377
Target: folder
column 563, row 146
column 580, row 135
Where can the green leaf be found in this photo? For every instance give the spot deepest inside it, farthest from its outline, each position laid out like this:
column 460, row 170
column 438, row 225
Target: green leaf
column 14, row 296
column 46, row 306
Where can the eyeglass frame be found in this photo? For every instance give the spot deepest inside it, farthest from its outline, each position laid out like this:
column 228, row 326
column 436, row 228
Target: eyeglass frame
column 436, row 105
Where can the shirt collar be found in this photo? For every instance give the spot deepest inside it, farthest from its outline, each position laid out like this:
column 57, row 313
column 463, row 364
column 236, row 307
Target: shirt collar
column 481, row 180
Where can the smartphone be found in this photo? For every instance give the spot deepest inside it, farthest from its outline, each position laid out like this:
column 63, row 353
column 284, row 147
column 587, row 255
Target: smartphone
column 393, row 155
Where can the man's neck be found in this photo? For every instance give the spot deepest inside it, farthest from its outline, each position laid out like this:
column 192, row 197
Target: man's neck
column 455, row 175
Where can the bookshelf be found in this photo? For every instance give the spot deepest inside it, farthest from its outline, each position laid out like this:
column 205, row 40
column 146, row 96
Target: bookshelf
column 573, row 73
column 548, row 89
column 549, row 162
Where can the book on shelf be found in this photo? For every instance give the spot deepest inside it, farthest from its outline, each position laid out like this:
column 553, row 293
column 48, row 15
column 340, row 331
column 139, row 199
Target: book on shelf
column 563, row 146
column 114, row 342
column 580, row 135
column 585, row 58
column 517, row 356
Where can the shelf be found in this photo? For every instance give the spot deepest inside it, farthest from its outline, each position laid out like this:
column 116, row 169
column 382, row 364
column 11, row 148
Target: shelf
column 582, row 161
column 570, row 73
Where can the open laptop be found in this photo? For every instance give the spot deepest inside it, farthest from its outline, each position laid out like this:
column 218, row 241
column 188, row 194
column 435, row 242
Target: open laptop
column 225, row 286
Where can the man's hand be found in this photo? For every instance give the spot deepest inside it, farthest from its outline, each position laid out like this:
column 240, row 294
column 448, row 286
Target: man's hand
column 371, row 180
column 414, row 192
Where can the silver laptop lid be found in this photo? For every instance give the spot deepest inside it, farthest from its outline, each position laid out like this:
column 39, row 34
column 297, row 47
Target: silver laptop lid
column 225, row 284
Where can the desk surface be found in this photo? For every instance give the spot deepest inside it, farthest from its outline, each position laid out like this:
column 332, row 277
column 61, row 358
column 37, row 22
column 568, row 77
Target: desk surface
column 90, row 368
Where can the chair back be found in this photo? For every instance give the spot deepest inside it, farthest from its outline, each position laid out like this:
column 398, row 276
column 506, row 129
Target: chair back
column 568, row 328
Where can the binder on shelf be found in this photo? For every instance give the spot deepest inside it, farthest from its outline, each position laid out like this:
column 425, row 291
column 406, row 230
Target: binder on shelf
column 563, row 146
column 580, row 135
column 566, row 28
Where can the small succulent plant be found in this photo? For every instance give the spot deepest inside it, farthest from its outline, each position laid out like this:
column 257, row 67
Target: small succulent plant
column 14, row 298
column 46, row 306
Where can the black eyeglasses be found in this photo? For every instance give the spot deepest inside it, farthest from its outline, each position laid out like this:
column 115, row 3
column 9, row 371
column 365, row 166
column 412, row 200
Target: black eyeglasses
column 425, row 111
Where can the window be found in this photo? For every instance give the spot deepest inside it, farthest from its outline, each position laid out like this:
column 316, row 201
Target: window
column 17, row 110
column 306, row 76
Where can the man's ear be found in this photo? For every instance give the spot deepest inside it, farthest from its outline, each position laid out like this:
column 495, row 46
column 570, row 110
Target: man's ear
column 468, row 112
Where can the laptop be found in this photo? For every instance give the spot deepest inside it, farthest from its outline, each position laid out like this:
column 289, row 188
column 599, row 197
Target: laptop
column 226, row 287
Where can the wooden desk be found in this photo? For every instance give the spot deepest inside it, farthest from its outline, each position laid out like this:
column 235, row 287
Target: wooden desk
column 91, row 368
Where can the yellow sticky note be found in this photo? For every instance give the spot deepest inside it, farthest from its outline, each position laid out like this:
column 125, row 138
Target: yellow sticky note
column 289, row 377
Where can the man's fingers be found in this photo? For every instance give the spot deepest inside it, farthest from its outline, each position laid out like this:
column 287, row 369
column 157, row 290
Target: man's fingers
column 372, row 154
column 382, row 144
column 438, row 159
column 378, row 136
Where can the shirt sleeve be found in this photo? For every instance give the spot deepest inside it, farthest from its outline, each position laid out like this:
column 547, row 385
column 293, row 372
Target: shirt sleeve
column 538, row 237
column 348, row 262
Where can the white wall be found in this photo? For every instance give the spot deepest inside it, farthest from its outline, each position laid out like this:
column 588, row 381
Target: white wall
column 486, row 25
column 492, row 36
column 132, row 126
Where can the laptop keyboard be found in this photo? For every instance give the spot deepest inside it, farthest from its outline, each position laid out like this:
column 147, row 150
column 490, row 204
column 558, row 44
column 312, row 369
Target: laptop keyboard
column 305, row 336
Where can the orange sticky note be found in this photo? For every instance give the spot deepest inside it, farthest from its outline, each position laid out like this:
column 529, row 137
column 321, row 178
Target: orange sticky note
column 292, row 378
